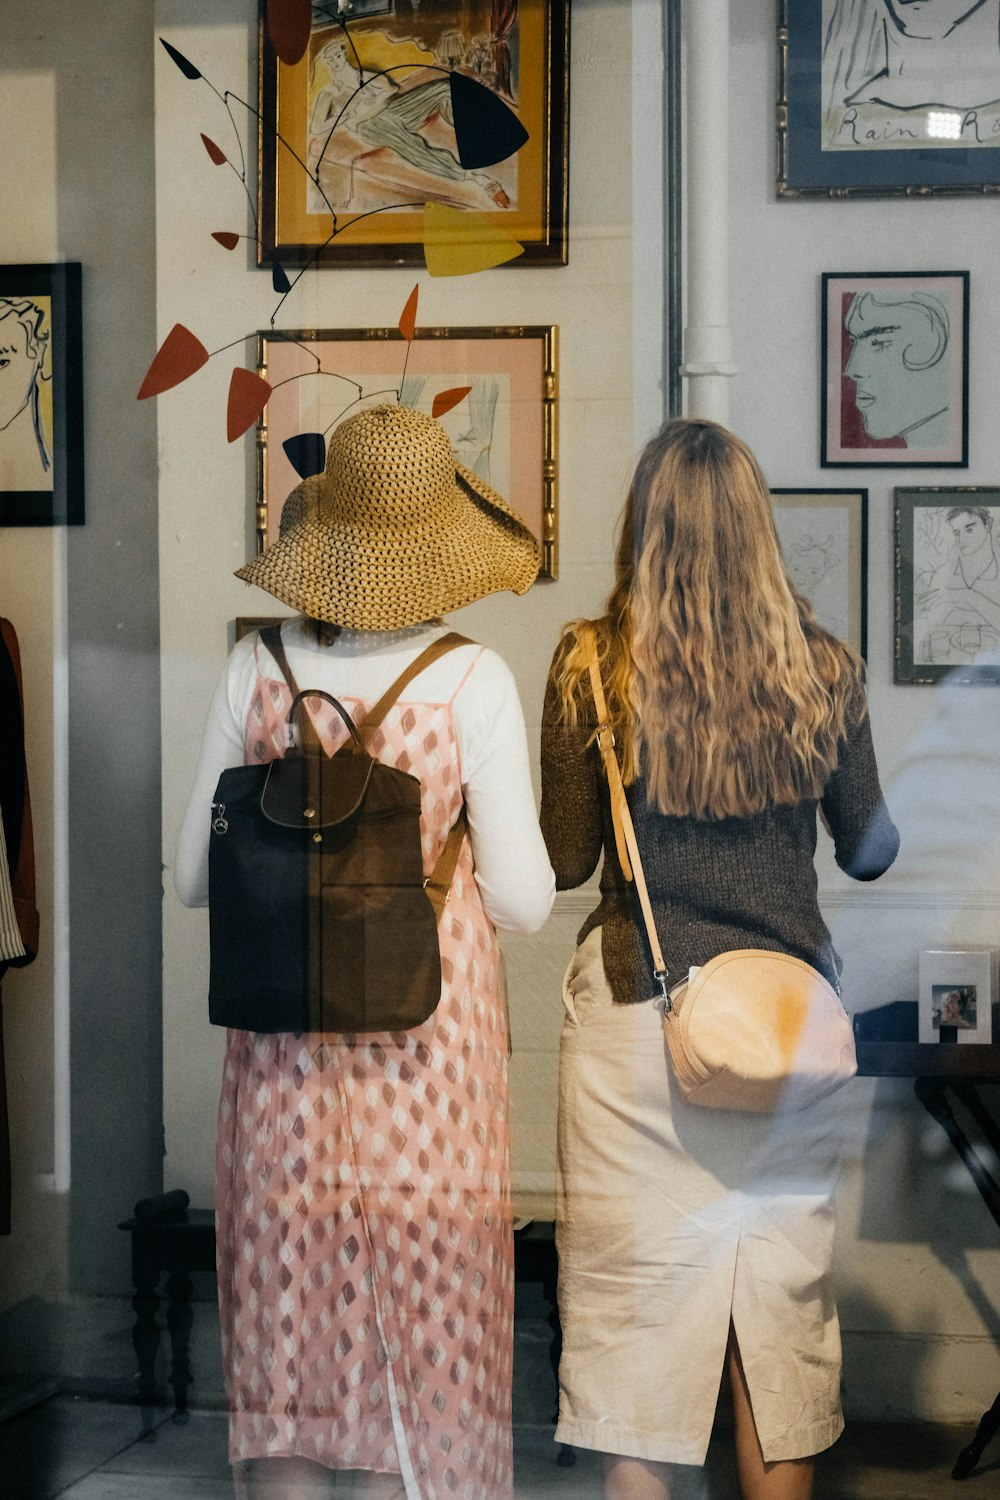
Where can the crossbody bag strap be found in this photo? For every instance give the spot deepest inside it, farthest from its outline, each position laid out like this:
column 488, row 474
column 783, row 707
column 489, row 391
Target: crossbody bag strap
column 621, row 818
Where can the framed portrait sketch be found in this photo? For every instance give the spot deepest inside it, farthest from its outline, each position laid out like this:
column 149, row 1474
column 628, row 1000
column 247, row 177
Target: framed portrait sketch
column 41, row 395
column 888, row 98
column 503, row 424
column 824, row 538
column 948, row 584
column 359, row 135
column 895, row 360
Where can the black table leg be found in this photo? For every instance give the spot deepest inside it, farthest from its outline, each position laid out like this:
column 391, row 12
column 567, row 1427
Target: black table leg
column 146, row 1330
column 931, row 1093
column 179, row 1320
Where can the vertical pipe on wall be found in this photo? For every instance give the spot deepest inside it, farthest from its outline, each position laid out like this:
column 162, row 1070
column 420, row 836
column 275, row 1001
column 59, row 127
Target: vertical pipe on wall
column 674, row 227
column 649, row 401
column 708, row 362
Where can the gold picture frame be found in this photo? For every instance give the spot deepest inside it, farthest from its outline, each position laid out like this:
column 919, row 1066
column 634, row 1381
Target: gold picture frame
column 505, row 428
column 362, row 124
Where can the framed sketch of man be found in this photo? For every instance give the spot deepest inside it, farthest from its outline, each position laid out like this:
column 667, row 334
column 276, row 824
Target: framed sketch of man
column 895, row 360
column 948, row 584
column 41, row 395
column 888, row 97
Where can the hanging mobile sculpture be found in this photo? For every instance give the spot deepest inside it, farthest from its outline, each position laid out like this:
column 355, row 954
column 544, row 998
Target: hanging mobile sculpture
column 456, row 242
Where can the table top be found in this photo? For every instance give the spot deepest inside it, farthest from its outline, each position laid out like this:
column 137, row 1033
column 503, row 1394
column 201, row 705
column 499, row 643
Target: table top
column 928, row 1060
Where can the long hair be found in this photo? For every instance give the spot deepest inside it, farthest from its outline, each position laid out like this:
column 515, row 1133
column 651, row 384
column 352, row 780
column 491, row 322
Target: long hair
column 723, row 690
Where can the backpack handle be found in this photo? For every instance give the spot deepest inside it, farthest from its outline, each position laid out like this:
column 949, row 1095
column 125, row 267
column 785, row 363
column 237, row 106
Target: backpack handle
column 301, row 720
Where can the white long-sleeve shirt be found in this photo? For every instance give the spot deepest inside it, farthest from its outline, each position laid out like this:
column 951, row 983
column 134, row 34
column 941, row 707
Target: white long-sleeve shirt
column 511, row 864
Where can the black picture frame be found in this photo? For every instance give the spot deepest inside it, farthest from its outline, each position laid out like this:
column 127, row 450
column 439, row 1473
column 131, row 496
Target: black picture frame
column 367, row 238
column 42, row 308
column 826, row 556
column 834, row 141
column 894, row 370
column 947, row 622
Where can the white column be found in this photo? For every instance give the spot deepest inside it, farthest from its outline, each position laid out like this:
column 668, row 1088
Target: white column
column 708, row 363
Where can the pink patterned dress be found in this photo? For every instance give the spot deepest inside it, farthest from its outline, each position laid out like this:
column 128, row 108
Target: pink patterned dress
column 365, row 1247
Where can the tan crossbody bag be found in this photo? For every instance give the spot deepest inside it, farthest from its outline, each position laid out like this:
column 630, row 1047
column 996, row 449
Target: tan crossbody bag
column 750, row 1030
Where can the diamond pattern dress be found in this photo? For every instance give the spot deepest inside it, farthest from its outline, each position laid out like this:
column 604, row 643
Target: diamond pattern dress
column 365, row 1246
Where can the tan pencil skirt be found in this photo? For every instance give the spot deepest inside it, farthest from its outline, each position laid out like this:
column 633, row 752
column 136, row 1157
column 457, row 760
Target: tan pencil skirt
column 673, row 1219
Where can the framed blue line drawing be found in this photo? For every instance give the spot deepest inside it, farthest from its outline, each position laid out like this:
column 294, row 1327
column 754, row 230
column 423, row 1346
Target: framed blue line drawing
column 41, row 395
column 885, row 98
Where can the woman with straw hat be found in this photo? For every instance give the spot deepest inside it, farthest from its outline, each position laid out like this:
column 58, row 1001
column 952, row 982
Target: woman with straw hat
column 362, row 1203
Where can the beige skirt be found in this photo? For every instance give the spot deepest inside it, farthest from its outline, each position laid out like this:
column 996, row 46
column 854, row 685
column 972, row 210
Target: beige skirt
column 672, row 1220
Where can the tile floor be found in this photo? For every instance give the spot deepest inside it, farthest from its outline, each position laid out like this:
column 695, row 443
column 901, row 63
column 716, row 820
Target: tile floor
column 86, row 1443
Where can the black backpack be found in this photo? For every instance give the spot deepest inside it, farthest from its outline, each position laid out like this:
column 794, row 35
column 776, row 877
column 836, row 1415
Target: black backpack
column 320, row 916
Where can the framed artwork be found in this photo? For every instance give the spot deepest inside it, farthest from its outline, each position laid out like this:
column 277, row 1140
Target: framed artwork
column 948, row 584
column 895, row 359
column 824, row 538
column 504, row 427
column 41, row 395
column 359, row 134
column 886, row 98
column 957, row 990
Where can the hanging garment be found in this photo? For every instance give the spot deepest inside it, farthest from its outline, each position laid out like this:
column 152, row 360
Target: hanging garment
column 18, row 913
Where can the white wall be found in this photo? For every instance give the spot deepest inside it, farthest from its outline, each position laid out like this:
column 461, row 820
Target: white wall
column 918, row 1268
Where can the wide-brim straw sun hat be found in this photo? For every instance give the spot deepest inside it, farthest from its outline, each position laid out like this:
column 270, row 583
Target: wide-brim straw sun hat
column 394, row 531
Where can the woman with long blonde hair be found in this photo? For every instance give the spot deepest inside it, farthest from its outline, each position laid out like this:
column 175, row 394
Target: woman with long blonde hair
column 694, row 1242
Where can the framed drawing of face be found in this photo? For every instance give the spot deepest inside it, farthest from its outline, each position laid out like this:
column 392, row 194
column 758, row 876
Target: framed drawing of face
column 888, row 97
column 824, row 539
column 41, row 395
column 895, row 359
column 393, row 107
column 948, row 584
column 502, row 412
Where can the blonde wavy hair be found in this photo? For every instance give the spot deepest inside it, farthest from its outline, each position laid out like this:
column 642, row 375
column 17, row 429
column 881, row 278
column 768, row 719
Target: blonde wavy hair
column 722, row 688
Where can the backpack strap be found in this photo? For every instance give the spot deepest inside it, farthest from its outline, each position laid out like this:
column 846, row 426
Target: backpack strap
column 378, row 711
column 438, row 882
column 270, row 636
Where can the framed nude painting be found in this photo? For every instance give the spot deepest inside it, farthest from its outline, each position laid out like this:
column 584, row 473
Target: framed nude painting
column 888, row 98
column 359, row 135
column 895, row 366
column 41, row 395
column 824, row 539
column 948, row 584
column 504, row 426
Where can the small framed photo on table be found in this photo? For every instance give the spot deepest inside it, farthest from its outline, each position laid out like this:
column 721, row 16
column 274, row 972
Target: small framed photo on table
column 957, row 992
column 824, row 539
column 947, row 601
column 895, row 370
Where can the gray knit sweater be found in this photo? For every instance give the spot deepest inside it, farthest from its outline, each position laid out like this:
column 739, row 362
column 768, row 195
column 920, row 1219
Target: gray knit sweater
column 714, row 885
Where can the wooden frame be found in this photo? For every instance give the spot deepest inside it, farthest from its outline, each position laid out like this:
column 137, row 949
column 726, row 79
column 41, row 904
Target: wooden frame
column 41, row 395
column 824, row 538
column 895, row 370
column 854, row 117
column 947, row 584
column 506, row 429
column 517, row 47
